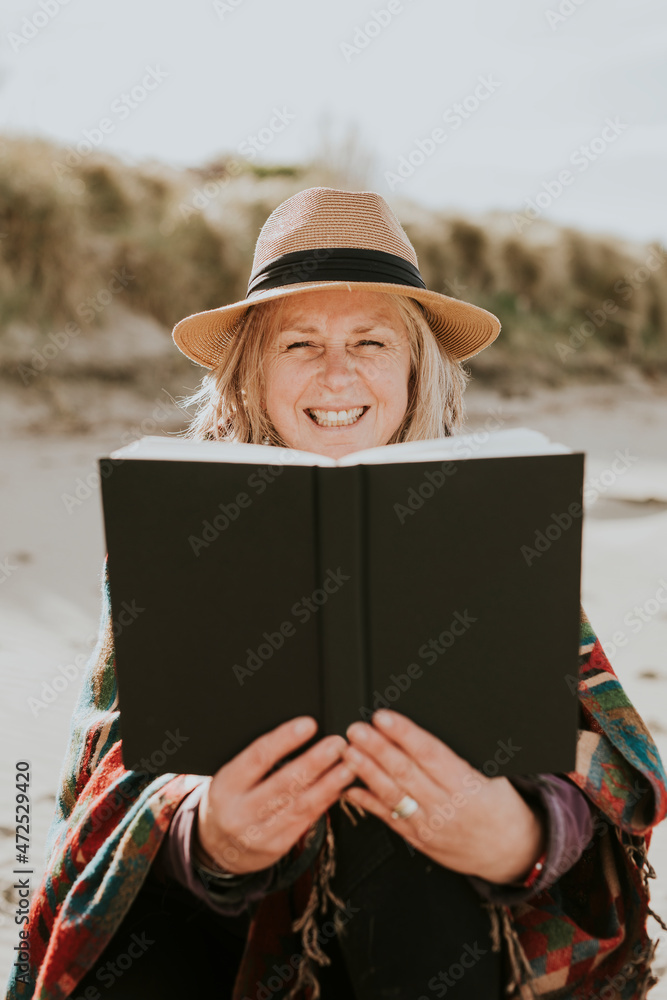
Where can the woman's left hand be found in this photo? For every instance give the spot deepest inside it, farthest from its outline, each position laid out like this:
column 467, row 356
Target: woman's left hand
column 465, row 821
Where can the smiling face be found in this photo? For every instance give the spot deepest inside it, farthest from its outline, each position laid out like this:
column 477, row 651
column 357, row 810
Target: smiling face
column 336, row 372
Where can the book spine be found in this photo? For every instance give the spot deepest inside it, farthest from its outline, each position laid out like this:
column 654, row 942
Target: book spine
column 340, row 499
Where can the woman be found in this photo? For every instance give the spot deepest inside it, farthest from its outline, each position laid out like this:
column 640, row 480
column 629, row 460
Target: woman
column 333, row 874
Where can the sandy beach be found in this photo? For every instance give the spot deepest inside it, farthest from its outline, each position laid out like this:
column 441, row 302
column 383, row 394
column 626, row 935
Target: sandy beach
column 53, row 549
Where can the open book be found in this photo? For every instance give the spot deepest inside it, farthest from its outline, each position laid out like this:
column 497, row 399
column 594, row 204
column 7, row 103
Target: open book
column 251, row 584
column 482, row 444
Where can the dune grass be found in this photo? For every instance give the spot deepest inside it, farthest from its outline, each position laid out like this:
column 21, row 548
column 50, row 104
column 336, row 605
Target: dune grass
column 571, row 304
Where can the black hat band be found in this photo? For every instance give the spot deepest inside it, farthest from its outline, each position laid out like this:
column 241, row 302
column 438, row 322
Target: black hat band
column 336, row 264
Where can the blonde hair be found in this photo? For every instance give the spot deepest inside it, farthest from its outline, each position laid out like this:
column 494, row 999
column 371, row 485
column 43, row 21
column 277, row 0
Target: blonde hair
column 228, row 400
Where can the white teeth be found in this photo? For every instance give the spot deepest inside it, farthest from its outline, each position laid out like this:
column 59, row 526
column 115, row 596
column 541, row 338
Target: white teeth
column 336, row 418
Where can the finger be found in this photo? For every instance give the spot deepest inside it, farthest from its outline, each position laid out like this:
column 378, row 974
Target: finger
column 436, row 759
column 416, row 833
column 251, row 764
column 384, row 761
column 306, row 807
column 297, row 775
column 362, row 797
column 325, row 792
column 383, row 785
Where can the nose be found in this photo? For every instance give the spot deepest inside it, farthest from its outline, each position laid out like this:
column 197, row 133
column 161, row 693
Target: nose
column 337, row 369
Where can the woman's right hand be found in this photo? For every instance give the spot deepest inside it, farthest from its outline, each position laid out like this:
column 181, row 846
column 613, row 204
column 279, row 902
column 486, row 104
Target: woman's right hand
column 246, row 822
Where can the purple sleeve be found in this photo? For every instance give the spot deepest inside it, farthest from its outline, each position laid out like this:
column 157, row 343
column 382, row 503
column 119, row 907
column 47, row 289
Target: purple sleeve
column 175, row 860
column 566, row 813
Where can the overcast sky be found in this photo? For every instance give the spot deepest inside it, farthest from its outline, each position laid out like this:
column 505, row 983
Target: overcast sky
column 481, row 104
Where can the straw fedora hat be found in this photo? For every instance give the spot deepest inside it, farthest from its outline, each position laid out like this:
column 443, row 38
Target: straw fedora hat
column 325, row 238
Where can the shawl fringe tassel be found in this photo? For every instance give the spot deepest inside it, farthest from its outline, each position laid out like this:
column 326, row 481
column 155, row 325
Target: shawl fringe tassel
column 321, row 894
column 521, row 972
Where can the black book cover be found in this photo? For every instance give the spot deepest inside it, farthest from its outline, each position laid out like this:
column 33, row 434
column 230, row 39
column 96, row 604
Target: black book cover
column 243, row 596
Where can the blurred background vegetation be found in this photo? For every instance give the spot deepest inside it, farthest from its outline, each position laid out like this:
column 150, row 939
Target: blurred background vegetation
column 572, row 305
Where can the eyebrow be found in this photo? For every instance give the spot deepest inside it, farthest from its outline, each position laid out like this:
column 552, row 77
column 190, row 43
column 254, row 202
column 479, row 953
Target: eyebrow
column 298, row 327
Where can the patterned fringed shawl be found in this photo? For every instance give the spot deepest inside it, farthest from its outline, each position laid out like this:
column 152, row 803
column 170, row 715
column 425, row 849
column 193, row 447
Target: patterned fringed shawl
column 584, row 938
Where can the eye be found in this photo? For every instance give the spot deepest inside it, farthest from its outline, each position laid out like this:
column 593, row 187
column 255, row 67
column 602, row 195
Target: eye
column 309, row 343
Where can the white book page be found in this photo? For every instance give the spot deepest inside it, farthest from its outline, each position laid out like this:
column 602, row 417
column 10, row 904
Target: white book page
column 481, row 444
column 187, row 450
